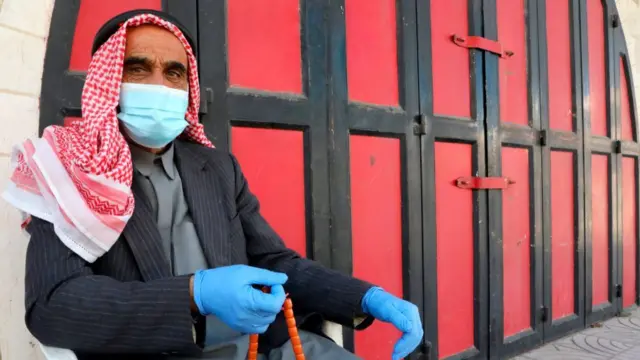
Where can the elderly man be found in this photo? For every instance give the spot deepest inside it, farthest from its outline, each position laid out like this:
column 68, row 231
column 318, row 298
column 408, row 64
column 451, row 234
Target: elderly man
column 147, row 243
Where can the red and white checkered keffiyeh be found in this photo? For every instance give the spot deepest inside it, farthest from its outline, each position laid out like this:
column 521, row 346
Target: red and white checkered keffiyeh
column 79, row 177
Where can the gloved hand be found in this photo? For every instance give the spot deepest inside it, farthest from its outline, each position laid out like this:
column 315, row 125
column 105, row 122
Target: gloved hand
column 227, row 293
column 402, row 314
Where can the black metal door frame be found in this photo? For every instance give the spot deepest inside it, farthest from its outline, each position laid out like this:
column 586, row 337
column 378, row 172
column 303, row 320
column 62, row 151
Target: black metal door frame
column 554, row 140
column 437, row 128
column 347, row 118
column 498, row 135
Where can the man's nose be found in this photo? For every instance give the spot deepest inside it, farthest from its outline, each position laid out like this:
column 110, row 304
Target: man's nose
column 157, row 77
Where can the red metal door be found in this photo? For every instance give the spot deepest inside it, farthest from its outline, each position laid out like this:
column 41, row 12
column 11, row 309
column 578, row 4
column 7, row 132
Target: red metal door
column 453, row 146
column 513, row 150
column 628, row 149
column 601, row 163
column 263, row 64
column 561, row 107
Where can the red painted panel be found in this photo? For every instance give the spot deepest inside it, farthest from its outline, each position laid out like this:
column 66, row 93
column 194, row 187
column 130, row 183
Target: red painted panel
column 516, row 242
column 263, row 40
column 455, row 249
column 562, row 234
column 376, row 221
column 273, row 163
column 92, row 15
column 597, row 67
column 629, row 230
column 450, row 63
column 600, row 229
column 559, row 64
column 625, row 106
column 513, row 71
column 372, row 54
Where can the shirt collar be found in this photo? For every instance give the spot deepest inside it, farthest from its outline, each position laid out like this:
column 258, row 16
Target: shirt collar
column 144, row 161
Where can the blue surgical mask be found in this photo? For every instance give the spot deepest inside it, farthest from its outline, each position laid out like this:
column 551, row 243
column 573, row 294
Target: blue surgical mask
column 152, row 115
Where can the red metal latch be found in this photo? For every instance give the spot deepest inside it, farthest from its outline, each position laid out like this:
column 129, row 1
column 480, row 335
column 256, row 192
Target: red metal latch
column 478, row 42
column 477, row 183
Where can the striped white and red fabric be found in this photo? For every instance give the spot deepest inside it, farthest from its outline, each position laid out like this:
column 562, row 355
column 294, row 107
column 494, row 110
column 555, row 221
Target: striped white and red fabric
column 79, row 177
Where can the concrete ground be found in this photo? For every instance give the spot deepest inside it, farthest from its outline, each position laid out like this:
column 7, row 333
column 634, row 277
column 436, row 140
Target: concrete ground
column 617, row 338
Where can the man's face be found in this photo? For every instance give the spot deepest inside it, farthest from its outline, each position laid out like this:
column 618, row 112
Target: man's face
column 155, row 56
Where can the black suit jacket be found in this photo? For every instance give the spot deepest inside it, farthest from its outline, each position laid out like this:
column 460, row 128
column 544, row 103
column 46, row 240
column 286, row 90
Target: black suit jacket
column 128, row 302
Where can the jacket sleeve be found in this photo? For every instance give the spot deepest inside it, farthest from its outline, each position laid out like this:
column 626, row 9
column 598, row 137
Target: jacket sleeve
column 312, row 287
column 68, row 306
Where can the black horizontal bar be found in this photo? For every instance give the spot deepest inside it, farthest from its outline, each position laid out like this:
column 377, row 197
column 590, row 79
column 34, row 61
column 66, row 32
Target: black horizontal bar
column 444, row 129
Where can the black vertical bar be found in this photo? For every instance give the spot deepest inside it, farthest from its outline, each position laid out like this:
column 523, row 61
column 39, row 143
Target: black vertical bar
column 583, row 58
column 341, row 247
column 427, row 164
column 212, row 40
column 412, row 229
column 481, row 246
column 546, row 167
column 614, row 85
column 579, row 190
column 616, row 178
column 494, row 198
column 185, row 11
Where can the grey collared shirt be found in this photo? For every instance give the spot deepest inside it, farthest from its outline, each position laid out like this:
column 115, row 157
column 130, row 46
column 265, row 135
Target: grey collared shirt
column 159, row 179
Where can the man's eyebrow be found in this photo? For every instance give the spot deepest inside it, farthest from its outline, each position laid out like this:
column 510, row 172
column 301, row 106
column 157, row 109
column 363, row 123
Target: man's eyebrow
column 137, row 60
column 175, row 65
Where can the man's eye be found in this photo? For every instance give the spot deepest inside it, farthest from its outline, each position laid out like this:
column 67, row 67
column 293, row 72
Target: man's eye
column 175, row 74
column 135, row 70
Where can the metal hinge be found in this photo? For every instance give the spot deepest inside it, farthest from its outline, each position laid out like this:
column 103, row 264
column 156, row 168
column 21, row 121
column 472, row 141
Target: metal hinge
column 617, row 147
column 544, row 134
column 478, row 42
column 420, row 126
column 615, row 21
column 206, row 98
column 483, row 183
column 544, row 314
column 619, row 290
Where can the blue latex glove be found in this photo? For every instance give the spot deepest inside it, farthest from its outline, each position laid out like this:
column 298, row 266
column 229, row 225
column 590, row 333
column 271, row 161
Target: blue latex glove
column 402, row 314
column 227, row 293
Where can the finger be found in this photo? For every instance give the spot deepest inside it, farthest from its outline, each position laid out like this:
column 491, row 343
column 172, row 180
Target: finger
column 263, row 320
column 407, row 343
column 257, row 276
column 400, row 320
column 269, row 303
column 278, row 292
column 259, row 329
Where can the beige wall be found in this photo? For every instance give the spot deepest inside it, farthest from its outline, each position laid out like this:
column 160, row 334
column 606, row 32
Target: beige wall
column 24, row 27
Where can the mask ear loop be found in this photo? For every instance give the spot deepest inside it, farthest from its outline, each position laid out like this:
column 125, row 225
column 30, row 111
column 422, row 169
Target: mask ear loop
column 291, row 328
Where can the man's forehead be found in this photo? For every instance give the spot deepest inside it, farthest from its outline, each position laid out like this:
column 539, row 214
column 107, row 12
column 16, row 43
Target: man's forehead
column 112, row 26
column 153, row 38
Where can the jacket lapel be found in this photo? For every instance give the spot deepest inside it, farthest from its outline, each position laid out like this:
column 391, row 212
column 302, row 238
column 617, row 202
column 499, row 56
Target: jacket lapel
column 201, row 189
column 143, row 238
